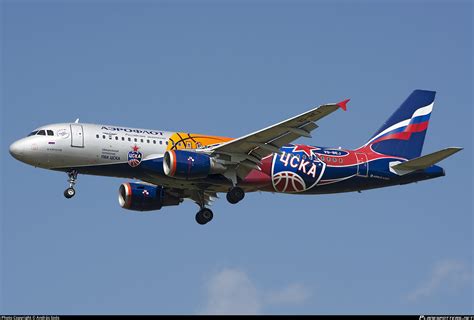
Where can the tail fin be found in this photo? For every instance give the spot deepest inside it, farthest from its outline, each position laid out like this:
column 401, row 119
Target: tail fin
column 403, row 134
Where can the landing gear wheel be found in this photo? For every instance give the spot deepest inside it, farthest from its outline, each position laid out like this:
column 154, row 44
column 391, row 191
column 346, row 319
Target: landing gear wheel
column 72, row 179
column 235, row 195
column 69, row 192
column 204, row 216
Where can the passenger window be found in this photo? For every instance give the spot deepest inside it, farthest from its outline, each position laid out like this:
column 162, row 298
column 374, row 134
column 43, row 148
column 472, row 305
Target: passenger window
column 141, row 140
column 166, row 142
column 33, row 133
column 189, row 145
column 334, row 159
column 97, row 136
column 123, row 138
column 154, row 141
column 199, row 145
column 103, row 137
column 340, row 160
column 116, row 138
column 135, row 139
column 110, row 137
column 129, row 139
column 50, row 133
column 147, row 141
column 41, row 133
column 161, row 142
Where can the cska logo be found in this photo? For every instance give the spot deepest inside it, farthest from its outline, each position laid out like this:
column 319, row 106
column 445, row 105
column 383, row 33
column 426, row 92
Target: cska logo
column 134, row 157
column 292, row 173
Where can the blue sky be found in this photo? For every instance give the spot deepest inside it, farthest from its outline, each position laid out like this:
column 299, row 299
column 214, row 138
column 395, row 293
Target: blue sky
column 229, row 68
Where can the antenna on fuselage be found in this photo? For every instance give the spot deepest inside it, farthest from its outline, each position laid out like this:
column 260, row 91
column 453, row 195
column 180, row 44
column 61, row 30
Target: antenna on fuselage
column 77, row 120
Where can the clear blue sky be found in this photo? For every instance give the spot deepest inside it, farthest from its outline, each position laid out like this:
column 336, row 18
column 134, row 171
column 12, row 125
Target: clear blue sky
column 230, row 68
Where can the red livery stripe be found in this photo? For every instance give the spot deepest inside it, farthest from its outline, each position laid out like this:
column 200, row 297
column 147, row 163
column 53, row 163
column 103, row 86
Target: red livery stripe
column 417, row 127
column 398, row 135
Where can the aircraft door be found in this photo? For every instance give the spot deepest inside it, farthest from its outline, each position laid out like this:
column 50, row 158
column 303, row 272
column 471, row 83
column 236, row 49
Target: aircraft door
column 362, row 165
column 77, row 136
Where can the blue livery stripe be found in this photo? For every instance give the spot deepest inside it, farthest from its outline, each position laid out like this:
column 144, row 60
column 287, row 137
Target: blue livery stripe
column 420, row 119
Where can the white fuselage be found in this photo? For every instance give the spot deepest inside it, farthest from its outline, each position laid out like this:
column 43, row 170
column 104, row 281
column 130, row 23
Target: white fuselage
column 72, row 145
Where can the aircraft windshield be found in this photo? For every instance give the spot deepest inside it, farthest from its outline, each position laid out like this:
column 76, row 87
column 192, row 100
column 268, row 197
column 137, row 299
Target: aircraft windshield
column 42, row 133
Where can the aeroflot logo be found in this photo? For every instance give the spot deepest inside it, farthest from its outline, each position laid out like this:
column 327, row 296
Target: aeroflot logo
column 157, row 133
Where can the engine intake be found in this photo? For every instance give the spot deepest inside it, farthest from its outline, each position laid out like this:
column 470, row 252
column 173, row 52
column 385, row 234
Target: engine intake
column 145, row 197
column 190, row 165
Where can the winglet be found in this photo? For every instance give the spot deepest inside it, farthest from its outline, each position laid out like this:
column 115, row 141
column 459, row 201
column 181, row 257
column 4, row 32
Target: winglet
column 343, row 104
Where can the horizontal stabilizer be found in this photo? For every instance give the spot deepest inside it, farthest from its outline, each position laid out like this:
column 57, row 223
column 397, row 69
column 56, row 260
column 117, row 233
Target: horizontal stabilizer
column 424, row 162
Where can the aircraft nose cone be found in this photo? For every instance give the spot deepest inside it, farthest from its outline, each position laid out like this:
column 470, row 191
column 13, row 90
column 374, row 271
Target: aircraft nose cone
column 16, row 149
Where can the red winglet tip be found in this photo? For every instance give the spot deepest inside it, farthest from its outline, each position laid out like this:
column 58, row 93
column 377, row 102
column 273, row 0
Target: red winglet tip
column 343, row 104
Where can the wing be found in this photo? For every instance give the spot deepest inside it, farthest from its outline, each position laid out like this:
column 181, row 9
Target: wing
column 246, row 152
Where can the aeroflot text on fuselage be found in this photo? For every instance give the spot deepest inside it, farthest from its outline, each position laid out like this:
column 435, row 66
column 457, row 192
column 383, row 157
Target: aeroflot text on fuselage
column 130, row 130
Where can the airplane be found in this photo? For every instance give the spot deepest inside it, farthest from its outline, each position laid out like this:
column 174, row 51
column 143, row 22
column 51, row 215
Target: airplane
column 173, row 166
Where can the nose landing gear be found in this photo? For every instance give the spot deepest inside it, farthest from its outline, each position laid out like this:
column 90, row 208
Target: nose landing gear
column 72, row 178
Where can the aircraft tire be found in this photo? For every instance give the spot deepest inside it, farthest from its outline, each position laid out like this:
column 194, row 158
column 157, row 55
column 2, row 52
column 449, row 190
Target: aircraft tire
column 204, row 216
column 69, row 193
column 235, row 195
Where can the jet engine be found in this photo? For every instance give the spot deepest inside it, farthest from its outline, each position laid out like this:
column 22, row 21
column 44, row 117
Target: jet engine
column 190, row 165
column 145, row 197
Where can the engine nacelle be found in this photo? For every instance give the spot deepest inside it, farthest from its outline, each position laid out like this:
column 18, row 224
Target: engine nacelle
column 190, row 165
column 145, row 197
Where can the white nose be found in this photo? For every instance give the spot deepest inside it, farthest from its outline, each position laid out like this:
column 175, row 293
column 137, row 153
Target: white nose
column 17, row 149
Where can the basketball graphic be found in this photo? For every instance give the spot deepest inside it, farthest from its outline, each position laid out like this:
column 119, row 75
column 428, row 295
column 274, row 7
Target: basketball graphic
column 182, row 140
column 287, row 181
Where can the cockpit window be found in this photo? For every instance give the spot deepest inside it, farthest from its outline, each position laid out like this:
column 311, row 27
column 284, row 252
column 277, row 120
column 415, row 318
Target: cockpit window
column 41, row 133
column 33, row 133
column 50, row 132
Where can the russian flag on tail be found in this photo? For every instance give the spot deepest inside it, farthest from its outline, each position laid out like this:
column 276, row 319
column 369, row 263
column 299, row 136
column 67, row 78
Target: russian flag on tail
column 404, row 132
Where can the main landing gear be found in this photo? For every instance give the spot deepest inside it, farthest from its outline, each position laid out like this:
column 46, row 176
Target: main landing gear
column 72, row 178
column 204, row 216
column 235, row 195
